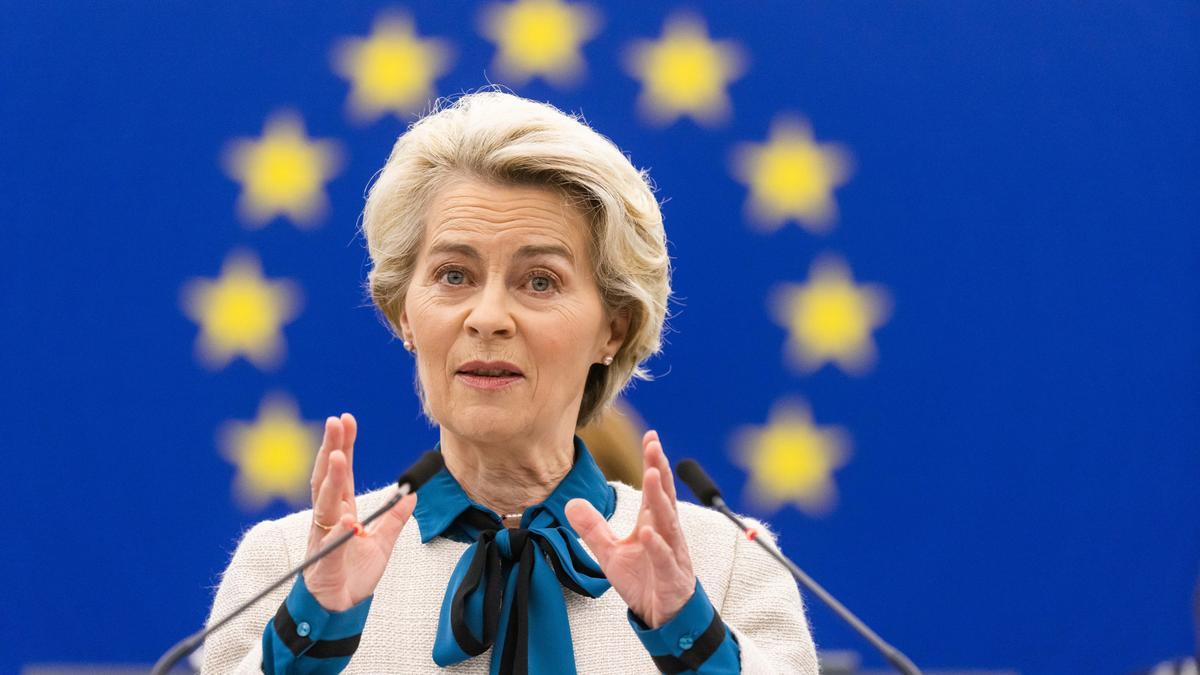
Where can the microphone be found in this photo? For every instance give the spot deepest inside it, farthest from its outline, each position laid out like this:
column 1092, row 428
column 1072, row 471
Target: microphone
column 420, row 472
column 706, row 491
column 699, row 483
column 409, row 481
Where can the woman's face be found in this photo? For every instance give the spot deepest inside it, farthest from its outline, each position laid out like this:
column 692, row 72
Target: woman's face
column 504, row 312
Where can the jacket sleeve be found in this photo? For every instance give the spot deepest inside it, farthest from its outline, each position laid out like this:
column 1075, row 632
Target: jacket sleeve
column 261, row 558
column 763, row 609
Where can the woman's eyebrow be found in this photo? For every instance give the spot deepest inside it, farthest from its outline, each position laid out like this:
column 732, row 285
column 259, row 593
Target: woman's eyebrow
column 465, row 250
column 532, row 251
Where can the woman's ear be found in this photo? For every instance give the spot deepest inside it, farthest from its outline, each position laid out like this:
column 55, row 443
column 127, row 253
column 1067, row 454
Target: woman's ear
column 405, row 330
column 618, row 330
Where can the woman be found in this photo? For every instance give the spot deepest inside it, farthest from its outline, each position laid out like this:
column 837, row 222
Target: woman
column 521, row 259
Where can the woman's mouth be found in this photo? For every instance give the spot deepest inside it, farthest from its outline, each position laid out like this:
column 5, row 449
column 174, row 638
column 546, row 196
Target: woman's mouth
column 479, row 381
column 489, row 375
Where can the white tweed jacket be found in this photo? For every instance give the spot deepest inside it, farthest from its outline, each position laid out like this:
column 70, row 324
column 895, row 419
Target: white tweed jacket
column 756, row 597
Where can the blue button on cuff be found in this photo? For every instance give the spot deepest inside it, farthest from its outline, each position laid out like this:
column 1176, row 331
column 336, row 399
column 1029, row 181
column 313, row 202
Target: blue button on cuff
column 679, row 634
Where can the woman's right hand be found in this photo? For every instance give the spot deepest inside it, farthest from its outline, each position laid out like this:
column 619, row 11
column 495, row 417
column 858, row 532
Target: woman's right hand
column 350, row 574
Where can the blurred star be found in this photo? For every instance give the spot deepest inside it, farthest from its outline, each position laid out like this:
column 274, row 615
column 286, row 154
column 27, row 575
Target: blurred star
column 283, row 173
column 539, row 38
column 791, row 177
column 791, row 460
column 273, row 454
column 685, row 73
column 240, row 313
column 392, row 70
column 830, row 319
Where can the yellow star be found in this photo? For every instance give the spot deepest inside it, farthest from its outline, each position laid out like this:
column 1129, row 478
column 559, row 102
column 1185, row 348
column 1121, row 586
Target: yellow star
column 830, row 318
column 274, row 454
column 240, row 313
column 792, row 177
column 791, row 459
column 685, row 73
column 283, row 173
column 392, row 70
column 539, row 37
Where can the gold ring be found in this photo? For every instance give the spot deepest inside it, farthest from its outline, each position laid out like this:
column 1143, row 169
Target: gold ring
column 321, row 525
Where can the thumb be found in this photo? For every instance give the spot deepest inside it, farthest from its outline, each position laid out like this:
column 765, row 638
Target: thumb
column 388, row 526
column 592, row 528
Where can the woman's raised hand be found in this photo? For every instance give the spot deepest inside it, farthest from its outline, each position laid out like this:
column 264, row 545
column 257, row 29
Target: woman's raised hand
column 650, row 569
column 348, row 575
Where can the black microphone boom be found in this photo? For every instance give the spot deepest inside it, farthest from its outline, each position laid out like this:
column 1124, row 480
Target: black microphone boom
column 421, row 471
column 706, row 491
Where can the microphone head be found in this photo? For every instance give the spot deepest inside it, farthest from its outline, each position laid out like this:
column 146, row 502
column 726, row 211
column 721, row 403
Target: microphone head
column 421, row 470
column 698, row 482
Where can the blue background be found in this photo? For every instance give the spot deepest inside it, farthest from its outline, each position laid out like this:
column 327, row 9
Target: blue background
column 1022, row 492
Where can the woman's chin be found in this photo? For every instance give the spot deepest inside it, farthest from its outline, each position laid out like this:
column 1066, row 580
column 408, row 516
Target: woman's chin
column 489, row 421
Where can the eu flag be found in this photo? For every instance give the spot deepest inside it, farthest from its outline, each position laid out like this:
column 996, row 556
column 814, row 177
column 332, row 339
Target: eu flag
column 937, row 314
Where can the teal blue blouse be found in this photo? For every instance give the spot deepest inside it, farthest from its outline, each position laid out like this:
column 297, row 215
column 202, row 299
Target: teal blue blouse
column 505, row 587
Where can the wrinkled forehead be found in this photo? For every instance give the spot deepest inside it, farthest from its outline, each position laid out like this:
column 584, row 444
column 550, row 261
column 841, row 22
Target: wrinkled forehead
column 504, row 219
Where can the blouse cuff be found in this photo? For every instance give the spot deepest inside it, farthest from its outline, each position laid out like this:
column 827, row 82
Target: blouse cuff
column 305, row 637
column 695, row 640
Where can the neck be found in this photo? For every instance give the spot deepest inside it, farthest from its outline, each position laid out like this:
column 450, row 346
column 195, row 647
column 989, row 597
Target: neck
column 507, row 477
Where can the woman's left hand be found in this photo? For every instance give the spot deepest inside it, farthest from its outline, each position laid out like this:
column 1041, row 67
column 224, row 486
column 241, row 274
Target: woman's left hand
column 650, row 569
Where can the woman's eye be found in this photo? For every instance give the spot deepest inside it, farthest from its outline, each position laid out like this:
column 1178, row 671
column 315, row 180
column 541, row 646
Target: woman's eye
column 454, row 277
column 541, row 283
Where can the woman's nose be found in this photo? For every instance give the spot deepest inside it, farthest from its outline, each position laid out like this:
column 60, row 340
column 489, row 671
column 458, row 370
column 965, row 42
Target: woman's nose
column 490, row 316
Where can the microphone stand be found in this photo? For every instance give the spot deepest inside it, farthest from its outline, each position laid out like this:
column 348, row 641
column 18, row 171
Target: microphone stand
column 894, row 656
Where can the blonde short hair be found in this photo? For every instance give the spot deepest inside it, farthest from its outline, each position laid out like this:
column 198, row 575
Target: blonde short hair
column 496, row 136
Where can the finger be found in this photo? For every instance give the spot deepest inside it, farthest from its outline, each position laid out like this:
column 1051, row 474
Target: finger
column 644, row 515
column 349, row 434
column 388, row 526
column 655, row 457
column 664, row 518
column 649, row 437
column 349, row 430
column 345, row 490
column 592, row 528
column 328, row 508
column 321, row 465
column 333, row 565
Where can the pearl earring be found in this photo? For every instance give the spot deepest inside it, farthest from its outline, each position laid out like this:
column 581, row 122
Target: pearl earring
column 608, row 360
column 409, row 346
